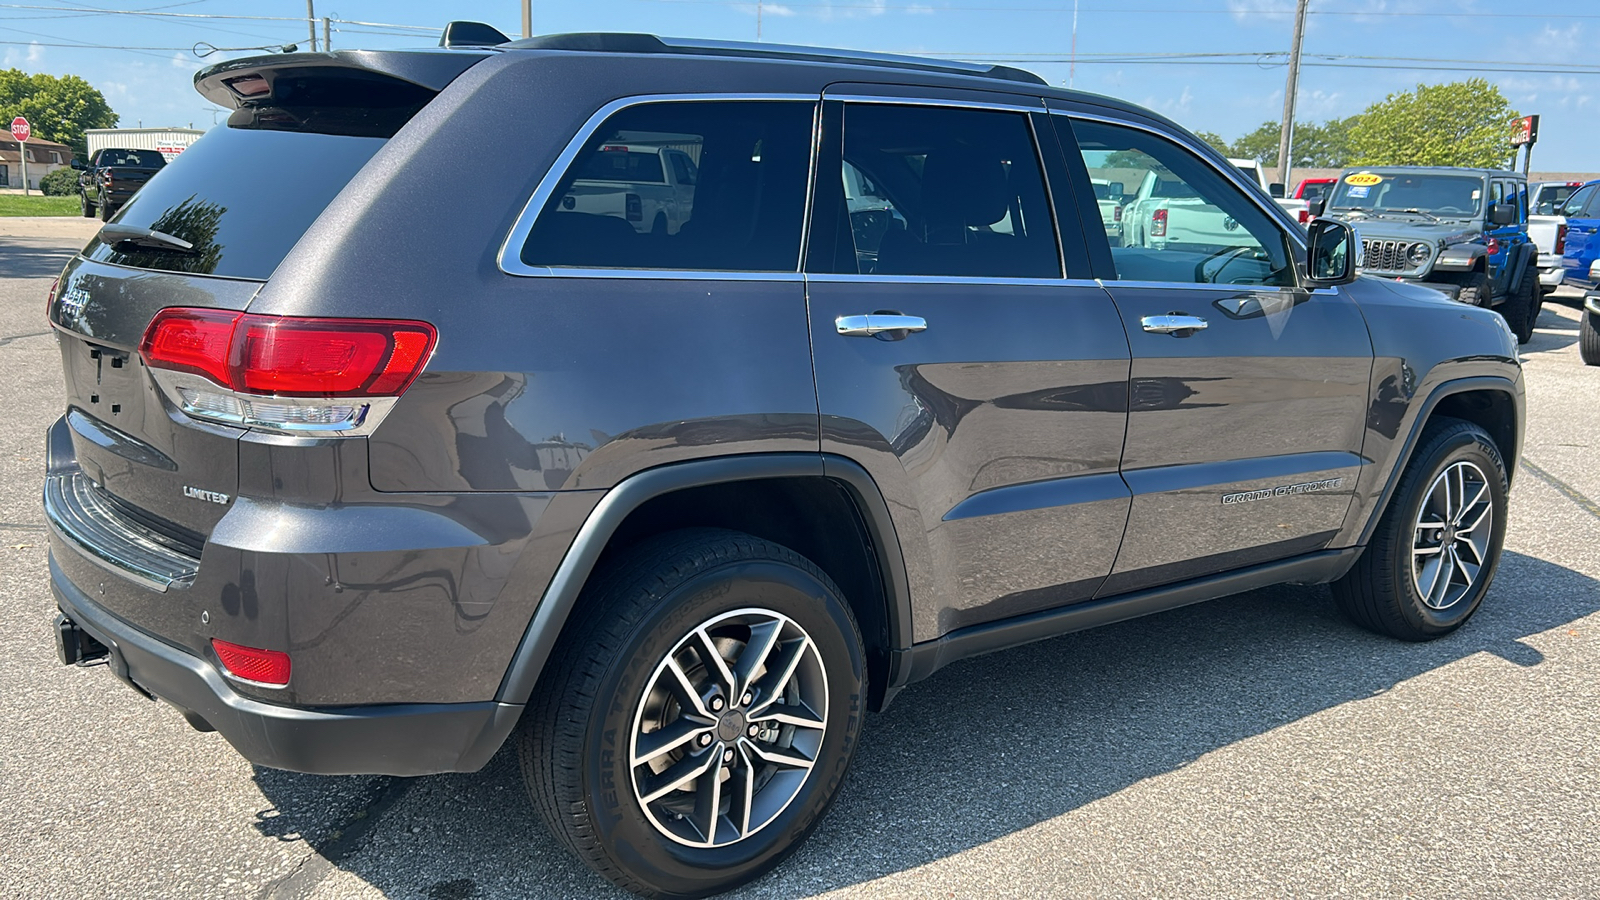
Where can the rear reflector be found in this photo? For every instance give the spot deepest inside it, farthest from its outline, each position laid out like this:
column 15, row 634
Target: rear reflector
column 286, row 356
column 270, row 667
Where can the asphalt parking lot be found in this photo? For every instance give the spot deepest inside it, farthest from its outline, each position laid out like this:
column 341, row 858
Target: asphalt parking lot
column 1253, row 746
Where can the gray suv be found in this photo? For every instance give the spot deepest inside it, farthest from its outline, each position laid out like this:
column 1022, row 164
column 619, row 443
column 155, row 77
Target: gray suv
column 400, row 428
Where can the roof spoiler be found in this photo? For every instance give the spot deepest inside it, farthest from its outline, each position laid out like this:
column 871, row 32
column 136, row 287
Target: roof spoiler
column 471, row 34
column 251, row 80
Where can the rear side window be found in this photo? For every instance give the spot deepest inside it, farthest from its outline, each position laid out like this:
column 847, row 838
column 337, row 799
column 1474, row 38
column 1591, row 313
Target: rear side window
column 736, row 203
column 247, row 191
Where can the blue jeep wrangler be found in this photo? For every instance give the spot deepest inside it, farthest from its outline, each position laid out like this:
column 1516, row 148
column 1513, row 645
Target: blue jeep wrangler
column 1460, row 231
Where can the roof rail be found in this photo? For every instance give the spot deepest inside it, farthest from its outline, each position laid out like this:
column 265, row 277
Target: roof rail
column 622, row 42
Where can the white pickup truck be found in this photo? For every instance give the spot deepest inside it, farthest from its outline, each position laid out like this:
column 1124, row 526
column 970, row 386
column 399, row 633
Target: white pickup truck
column 1547, row 228
column 1167, row 213
column 649, row 185
column 1252, row 171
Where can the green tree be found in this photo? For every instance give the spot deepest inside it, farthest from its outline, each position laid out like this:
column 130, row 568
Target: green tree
column 59, row 109
column 1324, row 146
column 1215, row 140
column 1464, row 123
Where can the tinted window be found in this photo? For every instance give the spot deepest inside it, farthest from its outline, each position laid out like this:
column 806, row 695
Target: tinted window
column 242, row 197
column 933, row 191
column 741, row 210
column 1450, row 196
column 622, row 163
column 1184, row 222
column 148, row 159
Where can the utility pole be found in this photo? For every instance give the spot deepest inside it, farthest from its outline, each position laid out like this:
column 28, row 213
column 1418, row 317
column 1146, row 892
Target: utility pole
column 1072, row 70
column 527, row 18
column 327, row 35
column 311, row 24
column 1286, row 137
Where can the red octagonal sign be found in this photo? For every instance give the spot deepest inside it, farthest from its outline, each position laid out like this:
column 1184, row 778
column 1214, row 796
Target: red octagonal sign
column 20, row 129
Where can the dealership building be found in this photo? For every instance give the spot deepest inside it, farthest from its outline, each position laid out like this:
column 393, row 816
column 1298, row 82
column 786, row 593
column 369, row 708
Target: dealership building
column 169, row 141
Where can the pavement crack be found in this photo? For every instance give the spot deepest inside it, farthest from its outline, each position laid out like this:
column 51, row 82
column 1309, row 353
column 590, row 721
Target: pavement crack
column 17, row 337
column 348, row 838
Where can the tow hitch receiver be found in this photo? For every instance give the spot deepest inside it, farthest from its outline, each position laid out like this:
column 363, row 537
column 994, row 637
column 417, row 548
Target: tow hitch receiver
column 74, row 645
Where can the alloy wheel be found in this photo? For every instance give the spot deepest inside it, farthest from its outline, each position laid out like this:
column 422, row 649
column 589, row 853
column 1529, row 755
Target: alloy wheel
column 729, row 727
column 1452, row 531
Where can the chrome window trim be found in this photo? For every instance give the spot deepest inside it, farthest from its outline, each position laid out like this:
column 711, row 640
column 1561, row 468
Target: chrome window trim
column 898, row 100
column 1248, row 188
column 1235, row 288
column 847, row 278
column 510, row 255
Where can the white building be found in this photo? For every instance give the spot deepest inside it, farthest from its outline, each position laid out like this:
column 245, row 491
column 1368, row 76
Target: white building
column 169, row 141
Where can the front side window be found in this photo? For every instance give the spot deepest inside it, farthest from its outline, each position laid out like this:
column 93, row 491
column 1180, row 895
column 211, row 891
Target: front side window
column 1183, row 221
column 735, row 202
column 944, row 192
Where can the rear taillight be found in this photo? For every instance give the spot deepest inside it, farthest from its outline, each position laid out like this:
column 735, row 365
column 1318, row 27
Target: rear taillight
column 278, row 372
column 1158, row 223
column 1561, row 239
column 1305, row 216
column 50, row 298
column 105, row 178
column 267, row 667
column 1116, row 214
column 1493, row 247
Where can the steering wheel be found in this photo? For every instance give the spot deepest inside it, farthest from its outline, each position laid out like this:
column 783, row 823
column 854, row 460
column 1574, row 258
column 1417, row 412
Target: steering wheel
column 1227, row 255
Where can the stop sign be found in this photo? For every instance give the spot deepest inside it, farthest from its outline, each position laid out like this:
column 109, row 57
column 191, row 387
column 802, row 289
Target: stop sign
column 20, row 129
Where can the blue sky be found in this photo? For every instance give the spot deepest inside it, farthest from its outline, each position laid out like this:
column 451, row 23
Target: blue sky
column 1544, row 64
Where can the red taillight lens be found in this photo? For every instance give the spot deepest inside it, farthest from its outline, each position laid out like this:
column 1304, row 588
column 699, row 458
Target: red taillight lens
column 1561, row 239
column 1305, row 216
column 290, row 356
column 253, row 664
column 50, row 298
column 1116, row 214
column 1158, row 223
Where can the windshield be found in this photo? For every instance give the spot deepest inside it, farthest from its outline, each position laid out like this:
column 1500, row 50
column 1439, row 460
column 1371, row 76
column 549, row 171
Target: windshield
column 1379, row 192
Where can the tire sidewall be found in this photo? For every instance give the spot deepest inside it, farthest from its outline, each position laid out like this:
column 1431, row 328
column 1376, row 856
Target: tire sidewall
column 621, row 825
column 1468, row 446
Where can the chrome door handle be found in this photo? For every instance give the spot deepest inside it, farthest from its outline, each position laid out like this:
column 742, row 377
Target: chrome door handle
column 878, row 323
column 1172, row 324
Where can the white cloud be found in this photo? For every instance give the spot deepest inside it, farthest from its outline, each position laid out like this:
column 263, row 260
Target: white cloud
column 17, row 57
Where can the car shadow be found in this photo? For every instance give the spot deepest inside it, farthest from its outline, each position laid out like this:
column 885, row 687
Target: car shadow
column 23, row 257
column 983, row 749
column 1552, row 332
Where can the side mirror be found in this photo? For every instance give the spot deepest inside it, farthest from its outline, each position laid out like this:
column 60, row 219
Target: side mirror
column 1317, row 206
column 1503, row 213
column 78, row 164
column 1333, row 253
column 1116, row 190
column 1276, row 190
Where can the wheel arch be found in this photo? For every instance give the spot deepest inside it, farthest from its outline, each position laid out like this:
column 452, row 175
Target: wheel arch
column 781, row 497
column 1488, row 401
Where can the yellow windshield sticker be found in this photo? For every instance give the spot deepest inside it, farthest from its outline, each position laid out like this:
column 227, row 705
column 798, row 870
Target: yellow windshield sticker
column 1363, row 179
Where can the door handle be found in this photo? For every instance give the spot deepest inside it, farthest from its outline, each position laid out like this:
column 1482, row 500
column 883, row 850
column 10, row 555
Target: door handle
column 878, row 323
column 1173, row 323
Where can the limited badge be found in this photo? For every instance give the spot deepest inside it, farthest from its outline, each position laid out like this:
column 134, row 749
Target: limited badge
column 1364, row 179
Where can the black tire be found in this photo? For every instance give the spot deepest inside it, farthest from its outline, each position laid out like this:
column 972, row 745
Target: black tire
column 1589, row 339
column 1521, row 309
column 1475, row 289
column 576, row 740
column 84, row 204
column 1381, row 593
column 106, row 212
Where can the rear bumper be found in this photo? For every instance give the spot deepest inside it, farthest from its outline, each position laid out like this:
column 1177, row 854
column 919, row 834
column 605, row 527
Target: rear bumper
column 1550, row 276
column 389, row 739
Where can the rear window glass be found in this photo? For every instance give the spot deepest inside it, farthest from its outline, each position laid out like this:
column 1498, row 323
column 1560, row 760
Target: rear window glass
column 148, row 159
column 247, row 191
column 741, row 209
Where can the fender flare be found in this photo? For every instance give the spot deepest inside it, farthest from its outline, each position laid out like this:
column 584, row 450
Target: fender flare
column 1424, row 413
column 1526, row 253
column 561, row 596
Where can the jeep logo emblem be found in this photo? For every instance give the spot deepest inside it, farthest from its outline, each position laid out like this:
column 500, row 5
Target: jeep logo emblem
column 208, row 496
